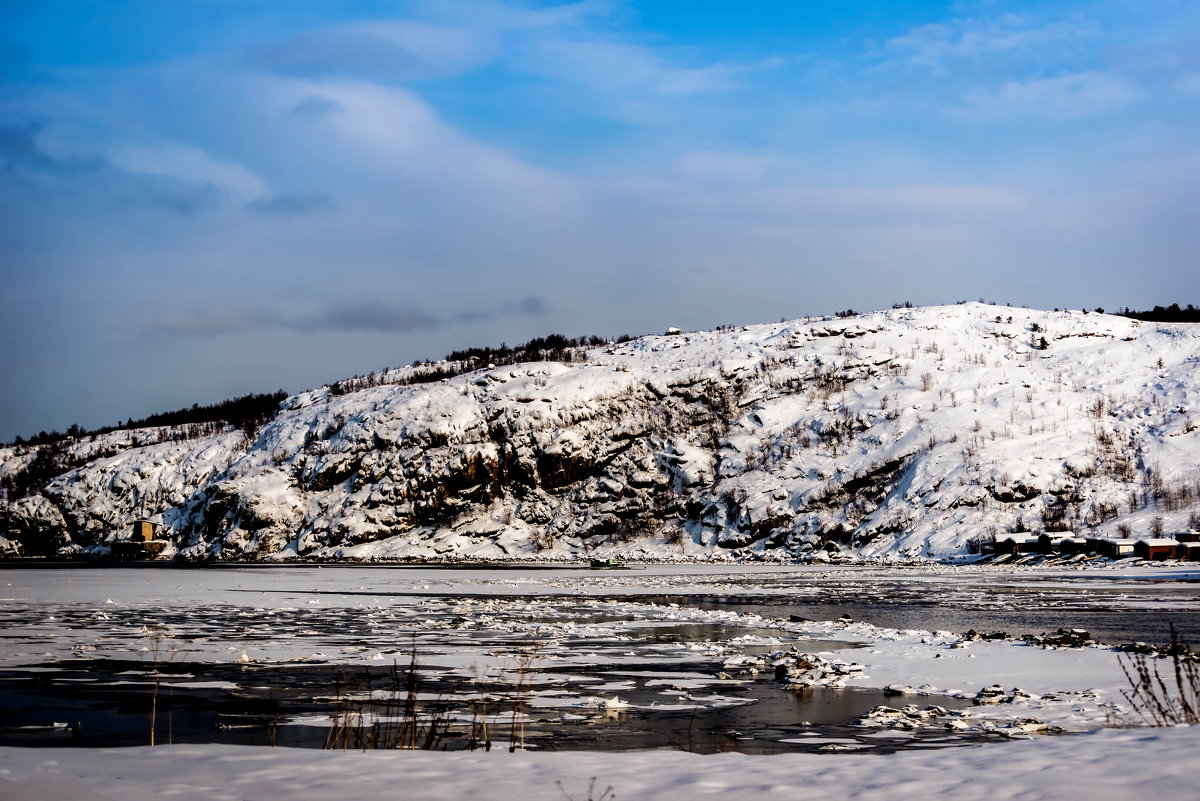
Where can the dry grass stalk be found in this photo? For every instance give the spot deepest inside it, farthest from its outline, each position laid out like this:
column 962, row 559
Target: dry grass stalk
column 606, row 794
column 1172, row 700
column 480, row 738
column 396, row 721
column 400, row 725
column 158, row 635
column 526, row 658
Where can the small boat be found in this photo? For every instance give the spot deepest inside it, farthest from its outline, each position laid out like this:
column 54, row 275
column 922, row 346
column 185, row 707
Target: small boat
column 610, row 563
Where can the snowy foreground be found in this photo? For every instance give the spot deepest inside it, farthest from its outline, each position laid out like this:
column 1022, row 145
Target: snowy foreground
column 50, row 616
column 1160, row 764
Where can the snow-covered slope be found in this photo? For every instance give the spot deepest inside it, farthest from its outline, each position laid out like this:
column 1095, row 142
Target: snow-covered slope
column 911, row 432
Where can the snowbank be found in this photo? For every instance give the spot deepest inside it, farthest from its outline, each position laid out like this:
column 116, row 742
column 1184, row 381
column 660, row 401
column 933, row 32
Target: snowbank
column 1124, row 765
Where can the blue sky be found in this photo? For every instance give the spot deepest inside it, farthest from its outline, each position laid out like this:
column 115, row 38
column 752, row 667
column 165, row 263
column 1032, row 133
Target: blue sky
column 202, row 198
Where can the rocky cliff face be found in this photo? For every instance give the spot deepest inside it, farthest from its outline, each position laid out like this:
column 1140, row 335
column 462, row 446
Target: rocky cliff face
column 914, row 433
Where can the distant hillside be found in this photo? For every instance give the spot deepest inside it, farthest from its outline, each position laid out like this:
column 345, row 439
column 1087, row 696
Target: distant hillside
column 910, row 433
column 246, row 412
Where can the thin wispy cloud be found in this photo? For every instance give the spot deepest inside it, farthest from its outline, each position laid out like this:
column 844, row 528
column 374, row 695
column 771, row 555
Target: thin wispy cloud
column 207, row 324
column 615, row 67
column 302, row 204
column 314, row 107
column 21, row 151
column 498, row 17
column 1188, row 84
column 370, row 316
column 942, row 45
column 182, row 200
column 381, row 51
column 189, row 164
column 352, row 316
column 1083, row 94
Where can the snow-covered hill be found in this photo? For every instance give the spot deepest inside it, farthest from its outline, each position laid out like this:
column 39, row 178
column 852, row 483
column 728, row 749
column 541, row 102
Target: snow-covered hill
column 909, row 433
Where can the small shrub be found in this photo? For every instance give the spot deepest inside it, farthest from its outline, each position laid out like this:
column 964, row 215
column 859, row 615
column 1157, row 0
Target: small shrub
column 975, row 544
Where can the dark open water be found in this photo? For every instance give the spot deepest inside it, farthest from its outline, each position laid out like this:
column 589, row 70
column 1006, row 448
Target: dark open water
column 107, row 702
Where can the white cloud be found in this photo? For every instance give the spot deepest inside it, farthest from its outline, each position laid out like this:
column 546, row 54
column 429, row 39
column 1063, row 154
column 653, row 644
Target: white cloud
column 1082, row 94
column 496, row 16
column 636, row 84
column 1188, row 84
column 936, row 45
column 380, row 50
column 730, row 165
column 393, row 139
column 606, row 66
column 189, row 164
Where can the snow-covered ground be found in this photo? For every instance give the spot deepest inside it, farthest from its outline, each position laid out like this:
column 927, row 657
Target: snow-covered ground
column 465, row 620
column 1102, row 766
column 903, row 434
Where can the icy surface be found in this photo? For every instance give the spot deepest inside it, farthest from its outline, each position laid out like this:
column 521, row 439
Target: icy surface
column 263, row 614
column 468, row 620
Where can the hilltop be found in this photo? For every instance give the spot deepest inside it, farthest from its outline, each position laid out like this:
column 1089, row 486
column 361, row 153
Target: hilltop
column 908, row 433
